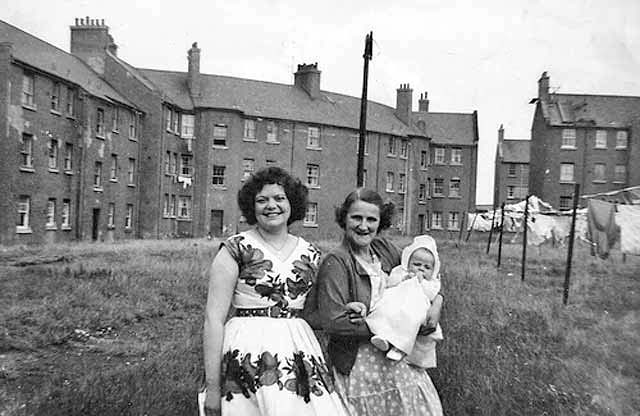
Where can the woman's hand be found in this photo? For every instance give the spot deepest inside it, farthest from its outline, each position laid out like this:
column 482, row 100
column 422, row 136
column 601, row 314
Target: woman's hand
column 212, row 403
column 356, row 311
column 433, row 313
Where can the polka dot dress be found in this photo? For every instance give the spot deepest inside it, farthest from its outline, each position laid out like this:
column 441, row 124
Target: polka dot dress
column 378, row 386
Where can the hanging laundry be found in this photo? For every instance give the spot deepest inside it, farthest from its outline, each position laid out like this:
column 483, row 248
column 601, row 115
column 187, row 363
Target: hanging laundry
column 628, row 219
column 540, row 229
column 603, row 230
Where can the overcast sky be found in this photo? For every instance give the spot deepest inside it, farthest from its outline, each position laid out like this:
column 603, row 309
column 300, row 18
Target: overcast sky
column 469, row 55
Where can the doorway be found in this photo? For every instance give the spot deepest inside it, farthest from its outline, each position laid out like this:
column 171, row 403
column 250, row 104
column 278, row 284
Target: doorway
column 95, row 224
column 216, row 224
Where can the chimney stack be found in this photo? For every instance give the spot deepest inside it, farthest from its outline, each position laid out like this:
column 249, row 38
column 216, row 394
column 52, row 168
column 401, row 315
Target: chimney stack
column 423, row 103
column 193, row 79
column 501, row 134
column 90, row 39
column 543, row 87
column 307, row 77
column 404, row 103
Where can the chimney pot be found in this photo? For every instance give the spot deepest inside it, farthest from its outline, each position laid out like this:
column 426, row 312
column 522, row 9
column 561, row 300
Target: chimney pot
column 76, row 21
column 87, row 20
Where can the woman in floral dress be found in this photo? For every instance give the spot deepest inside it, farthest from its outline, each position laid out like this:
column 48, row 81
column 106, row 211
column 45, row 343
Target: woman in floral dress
column 265, row 360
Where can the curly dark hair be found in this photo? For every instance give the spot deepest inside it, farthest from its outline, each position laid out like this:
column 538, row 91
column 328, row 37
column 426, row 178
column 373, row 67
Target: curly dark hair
column 294, row 189
column 367, row 195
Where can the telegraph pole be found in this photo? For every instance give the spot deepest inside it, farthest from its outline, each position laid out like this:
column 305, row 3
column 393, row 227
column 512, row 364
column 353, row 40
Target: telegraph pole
column 368, row 52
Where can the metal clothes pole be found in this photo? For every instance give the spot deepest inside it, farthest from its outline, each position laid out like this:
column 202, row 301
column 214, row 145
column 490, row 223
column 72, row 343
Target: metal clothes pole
column 501, row 232
column 368, row 52
column 471, row 228
column 493, row 220
column 524, row 236
column 567, row 275
column 463, row 222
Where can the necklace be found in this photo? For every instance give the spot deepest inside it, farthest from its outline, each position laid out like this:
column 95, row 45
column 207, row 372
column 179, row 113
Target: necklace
column 273, row 246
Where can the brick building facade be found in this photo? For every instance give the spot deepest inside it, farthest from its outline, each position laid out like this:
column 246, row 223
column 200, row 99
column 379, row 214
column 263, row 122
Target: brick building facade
column 192, row 139
column 593, row 140
column 511, row 170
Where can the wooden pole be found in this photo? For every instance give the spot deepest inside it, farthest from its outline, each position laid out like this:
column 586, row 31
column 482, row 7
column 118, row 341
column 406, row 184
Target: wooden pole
column 462, row 223
column 368, row 52
column 524, row 236
column 501, row 232
column 493, row 220
column 471, row 228
column 567, row 275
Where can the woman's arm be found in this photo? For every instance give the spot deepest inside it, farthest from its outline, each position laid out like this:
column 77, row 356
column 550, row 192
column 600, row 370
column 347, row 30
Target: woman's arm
column 223, row 275
column 332, row 297
column 433, row 313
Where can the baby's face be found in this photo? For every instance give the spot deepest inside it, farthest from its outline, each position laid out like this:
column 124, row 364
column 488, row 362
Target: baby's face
column 421, row 262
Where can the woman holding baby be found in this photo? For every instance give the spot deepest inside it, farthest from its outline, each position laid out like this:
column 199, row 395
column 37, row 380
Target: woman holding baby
column 379, row 378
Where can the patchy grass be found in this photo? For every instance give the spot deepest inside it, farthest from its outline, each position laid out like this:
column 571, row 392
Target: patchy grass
column 95, row 329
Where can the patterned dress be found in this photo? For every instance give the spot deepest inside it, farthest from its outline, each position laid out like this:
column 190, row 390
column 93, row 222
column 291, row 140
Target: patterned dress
column 273, row 366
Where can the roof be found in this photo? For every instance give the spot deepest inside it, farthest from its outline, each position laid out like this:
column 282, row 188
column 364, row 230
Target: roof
column 278, row 101
column 597, row 110
column 39, row 54
column 516, row 151
column 448, row 128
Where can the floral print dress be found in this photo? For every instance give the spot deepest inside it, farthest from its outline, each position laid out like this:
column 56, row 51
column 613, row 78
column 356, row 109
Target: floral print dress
column 273, row 366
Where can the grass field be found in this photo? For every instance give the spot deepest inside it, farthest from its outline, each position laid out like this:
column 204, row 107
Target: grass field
column 116, row 329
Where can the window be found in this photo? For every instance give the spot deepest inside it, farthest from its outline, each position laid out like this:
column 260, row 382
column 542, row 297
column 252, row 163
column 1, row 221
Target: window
column 511, row 192
column 621, row 173
column 250, row 130
column 422, row 192
column 68, row 157
column 248, row 167
column 404, row 149
column 271, row 162
column 184, row 208
column 168, row 114
column 51, row 214
column 218, row 175
column 566, row 172
column 115, row 119
column 599, row 172
column 97, row 175
column 521, row 192
column 454, row 221
column 219, row 135
column 188, row 126
column 185, row 165
column 113, row 176
column 512, row 169
column 55, row 97
column 131, row 169
column 454, row 187
column 71, row 101
column 165, row 207
column 424, row 159
column 111, row 213
column 128, row 220
column 428, row 186
column 173, row 206
column 100, row 123
column 167, row 162
column 272, row 132
column 400, row 219
column 601, row 139
column 391, row 146
column 311, row 216
column 26, row 150
column 438, row 187
column 66, row 214
column 313, row 176
column 568, row 139
column 313, row 137
column 28, row 88
column 390, row 180
column 53, row 154
column 24, row 212
column 133, row 125
column 439, row 156
column 436, row 220
column 176, row 122
column 456, row 156
column 566, row 202
column 364, row 178
column 366, row 143
column 621, row 139
column 402, row 183
column 174, row 164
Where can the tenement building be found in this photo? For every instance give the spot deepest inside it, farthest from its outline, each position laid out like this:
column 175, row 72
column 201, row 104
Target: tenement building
column 592, row 140
column 511, row 170
column 94, row 148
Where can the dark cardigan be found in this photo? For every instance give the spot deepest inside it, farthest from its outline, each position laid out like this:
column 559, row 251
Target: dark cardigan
column 341, row 279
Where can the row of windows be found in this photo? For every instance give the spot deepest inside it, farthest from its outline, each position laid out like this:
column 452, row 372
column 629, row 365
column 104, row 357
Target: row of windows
column 220, row 134
column 517, row 192
column 176, row 207
column 23, row 224
column 512, row 169
column 567, row 173
column 101, row 125
column 425, row 189
column 111, row 216
column 113, row 172
column 435, row 221
column 28, row 95
column 179, row 123
column 569, row 139
column 171, row 167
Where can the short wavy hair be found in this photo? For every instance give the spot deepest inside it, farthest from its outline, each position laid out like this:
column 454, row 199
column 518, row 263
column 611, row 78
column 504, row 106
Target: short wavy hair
column 296, row 193
column 367, row 195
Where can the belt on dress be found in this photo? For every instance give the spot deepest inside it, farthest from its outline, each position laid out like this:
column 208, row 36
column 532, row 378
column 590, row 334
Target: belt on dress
column 270, row 312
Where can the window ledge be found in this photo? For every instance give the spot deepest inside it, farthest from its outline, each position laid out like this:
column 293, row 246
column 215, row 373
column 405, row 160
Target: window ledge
column 133, row 139
column 404, row 157
column 308, row 225
column 621, row 148
column 128, row 229
column 619, row 181
column 314, row 148
column 439, row 163
column 98, row 189
column 568, row 148
column 68, row 172
column 272, row 142
column 313, row 187
column 184, row 219
column 599, row 148
column 55, row 112
column 567, row 182
column 220, row 187
column 220, row 146
column 455, row 196
column 111, row 227
column 51, row 227
column 131, row 185
column 66, row 228
column 599, row 181
column 23, row 230
column 247, row 139
column 424, row 168
column 453, row 229
column 437, row 196
column 27, row 169
column 401, row 192
column 71, row 117
column 54, row 170
column 115, row 131
column 30, row 108
column 100, row 136
column 456, row 164
column 422, row 202
column 391, row 155
column 113, row 180
column 391, row 191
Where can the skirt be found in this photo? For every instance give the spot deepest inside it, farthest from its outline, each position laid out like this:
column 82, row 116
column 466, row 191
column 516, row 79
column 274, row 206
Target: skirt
column 275, row 366
column 378, row 386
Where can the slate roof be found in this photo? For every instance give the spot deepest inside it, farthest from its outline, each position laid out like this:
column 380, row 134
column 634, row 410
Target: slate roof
column 448, row 128
column 278, row 101
column 39, row 54
column 598, row 110
column 516, row 151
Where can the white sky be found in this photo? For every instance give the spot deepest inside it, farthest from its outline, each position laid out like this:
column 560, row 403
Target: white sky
column 469, row 55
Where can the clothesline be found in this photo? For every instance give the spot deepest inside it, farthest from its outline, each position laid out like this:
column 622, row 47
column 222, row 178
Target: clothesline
column 630, row 195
